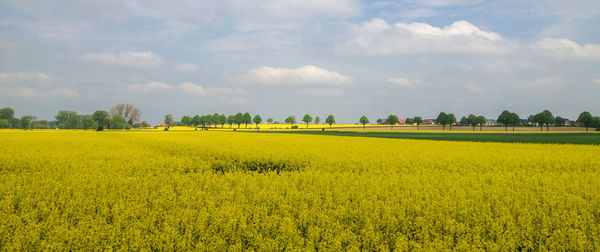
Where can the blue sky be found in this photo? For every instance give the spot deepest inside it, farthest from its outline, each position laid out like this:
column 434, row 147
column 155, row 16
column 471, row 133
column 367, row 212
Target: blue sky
column 291, row 57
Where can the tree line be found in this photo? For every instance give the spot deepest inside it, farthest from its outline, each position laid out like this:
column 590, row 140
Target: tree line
column 127, row 116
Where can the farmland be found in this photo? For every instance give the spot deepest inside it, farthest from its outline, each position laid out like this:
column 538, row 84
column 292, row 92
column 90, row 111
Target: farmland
column 217, row 190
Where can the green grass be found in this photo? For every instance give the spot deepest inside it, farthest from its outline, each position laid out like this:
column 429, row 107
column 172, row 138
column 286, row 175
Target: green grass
column 559, row 138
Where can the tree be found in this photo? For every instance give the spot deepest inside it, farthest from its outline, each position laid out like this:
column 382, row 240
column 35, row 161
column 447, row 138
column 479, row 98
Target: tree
column 118, row 122
column 391, row 120
column 41, row 124
column 231, row 120
column 186, row 120
column 4, row 123
column 25, row 122
column 87, row 122
column 195, row 120
column 257, row 119
column 168, row 120
column 418, row 120
column 101, row 118
column 239, row 119
column 247, row 119
column 363, row 120
column 559, row 121
column 515, row 120
column 409, row 121
column 472, row 120
column 451, row 120
column 586, row 119
column 481, row 120
column 307, row 119
column 215, row 119
column 545, row 117
column 129, row 113
column 67, row 119
column 317, row 120
column 443, row 119
column 330, row 120
column 7, row 114
column 270, row 120
column 291, row 120
column 505, row 118
column 222, row 120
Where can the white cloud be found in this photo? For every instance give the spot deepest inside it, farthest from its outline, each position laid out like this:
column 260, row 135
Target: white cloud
column 596, row 81
column 18, row 92
column 150, row 87
column 187, row 67
column 379, row 37
column 403, row 82
column 24, row 76
column 197, row 90
column 65, row 92
column 307, row 74
column 129, row 58
column 564, row 48
column 473, row 88
column 323, row 92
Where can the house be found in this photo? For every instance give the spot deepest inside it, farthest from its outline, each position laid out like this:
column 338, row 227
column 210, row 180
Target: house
column 401, row 121
column 429, row 121
column 491, row 122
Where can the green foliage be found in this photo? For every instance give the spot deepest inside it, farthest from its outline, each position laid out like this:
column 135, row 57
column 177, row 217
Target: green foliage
column 391, row 120
column 168, row 120
column 545, row 117
column 317, row 120
column 67, row 119
column 25, row 122
column 247, row 118
column 257, row 119
column 4, row 123
column 290, row 119
column 118, row 122
column 307, row 119
column 418, row 120
column 330, row 120
column 7, row 114
column 186, row 120
column 363, row 120
column 101, row 118
column 586, row 119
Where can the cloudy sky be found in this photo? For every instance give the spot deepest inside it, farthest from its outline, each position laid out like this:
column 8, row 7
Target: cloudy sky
column 291, row 57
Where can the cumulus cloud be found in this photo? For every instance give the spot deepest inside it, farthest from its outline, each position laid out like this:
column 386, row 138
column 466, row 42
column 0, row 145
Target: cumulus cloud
column 187, row 67
column 24, row 76
column 65, row 92
column 150, row 87
column 197, row 90
column 18, row 92
column 303, row 75
column 129, row 58
column 564, row 48
column 379, row 37
column 403, row 82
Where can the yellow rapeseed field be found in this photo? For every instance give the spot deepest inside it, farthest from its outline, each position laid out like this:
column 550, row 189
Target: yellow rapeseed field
column 211, row 190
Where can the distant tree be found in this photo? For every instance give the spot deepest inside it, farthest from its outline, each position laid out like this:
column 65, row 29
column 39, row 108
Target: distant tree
column 41, row 124
column 505, row 118
column 129, row 113
column 4, row 123
column 317, row 120
column 380, row 121
column 7, row 114
column 168, row 120
column 230, row 120
column 257, row 120
column 195, row 121
column 307, row 119
column 144, row 124
column 545, row 117
column 443, row 119
column 418, row 120
column 270, row 120
column 215, row 119
column 186, row 120
column 87, row 122
column 391, row 120
column 67, row 119
column 409, row 121
column 481, row 120
column 247, row 119
column 363, row 120
column 472, row 120
column 25, row 122
column 222, row 120
column 559, row 121
column 451, row 120
column 586, row 119
column 291, row 120
column 101, row 118
column 239, row 119
column 464, row 121
column 330, row 120
column 118, row 122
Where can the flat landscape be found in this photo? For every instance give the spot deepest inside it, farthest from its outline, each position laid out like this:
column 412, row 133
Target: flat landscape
column 225, row 190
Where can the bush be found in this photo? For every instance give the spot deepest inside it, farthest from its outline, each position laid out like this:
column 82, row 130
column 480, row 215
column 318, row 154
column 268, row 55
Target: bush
column 295, row 127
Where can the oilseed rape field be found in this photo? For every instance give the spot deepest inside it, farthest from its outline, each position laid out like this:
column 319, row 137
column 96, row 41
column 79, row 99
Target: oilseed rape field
column 217, row 190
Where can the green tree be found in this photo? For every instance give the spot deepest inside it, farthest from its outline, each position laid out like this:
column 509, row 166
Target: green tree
column 101, row 118
column 257, row 119
column 270, row 120
column 239, row 119
column 391, row 120
column 443, row 119
column 363, row 120
column 168, row 120
column 409, row 121
column 186, row 120
column 586, row 119
column 25, row 122
column 505, row 118
column 307, row 119
column 231, row 120
column 7, row 114
column 87, row 122
column 4, row 123
column 545, row 117
column 247, row 119
column 330, row 120
column 451, row 120
column 195, row 120
column 317, row 120
column 418, row 120
column 41, row 124
column 67, row 119
column 222, row 120
column 291, row 120
column 559, row 121
column 481, row 120
column 118, row 122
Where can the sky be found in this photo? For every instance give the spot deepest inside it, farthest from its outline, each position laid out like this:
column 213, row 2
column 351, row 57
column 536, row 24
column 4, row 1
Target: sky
column 292, row 57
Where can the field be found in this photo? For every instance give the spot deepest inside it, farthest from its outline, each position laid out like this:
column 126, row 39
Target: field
column 217, row 190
